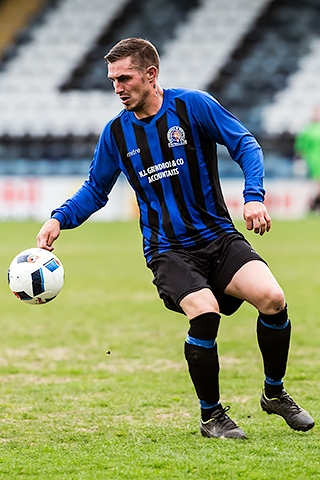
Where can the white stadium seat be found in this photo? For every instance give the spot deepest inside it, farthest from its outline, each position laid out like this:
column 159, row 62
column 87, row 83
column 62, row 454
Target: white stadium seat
column 59, row 44
column 31, row 102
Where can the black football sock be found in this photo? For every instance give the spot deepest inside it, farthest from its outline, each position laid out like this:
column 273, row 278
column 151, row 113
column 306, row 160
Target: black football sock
column 206, row 410
column 272, row 388
column 273, row 333
column 201, row 353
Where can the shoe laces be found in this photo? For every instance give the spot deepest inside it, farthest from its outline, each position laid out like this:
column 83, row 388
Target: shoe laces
column 221, row 416
column 285, row 398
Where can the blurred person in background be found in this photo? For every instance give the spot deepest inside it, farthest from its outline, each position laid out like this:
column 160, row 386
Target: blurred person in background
column 165, row 142
column 307, row 147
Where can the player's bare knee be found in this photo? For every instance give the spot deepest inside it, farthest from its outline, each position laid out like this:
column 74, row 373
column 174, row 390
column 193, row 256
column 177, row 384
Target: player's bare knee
column 195, row 310
column 273, row 301
column 200, row 302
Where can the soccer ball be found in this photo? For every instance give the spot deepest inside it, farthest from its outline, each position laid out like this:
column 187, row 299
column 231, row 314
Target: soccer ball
column 35, row 276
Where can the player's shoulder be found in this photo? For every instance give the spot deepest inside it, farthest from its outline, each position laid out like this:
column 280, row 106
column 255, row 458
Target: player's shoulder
column 116, row 118
column 193, row 96
column 188, row 93
column 107, row 129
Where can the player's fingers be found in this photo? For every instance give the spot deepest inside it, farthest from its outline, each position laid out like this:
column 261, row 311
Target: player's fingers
column 265, row 224
column 268, row 222
column 257, row 219
column 44, row 240
column 49, row 232
column 256, row 225
column 48, row 246
column 249, row 224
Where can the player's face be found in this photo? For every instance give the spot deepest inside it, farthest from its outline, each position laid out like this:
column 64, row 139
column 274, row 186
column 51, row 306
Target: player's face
column 130, row 84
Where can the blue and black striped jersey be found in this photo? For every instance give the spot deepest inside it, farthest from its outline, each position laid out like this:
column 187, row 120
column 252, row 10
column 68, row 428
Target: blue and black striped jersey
column 171, row 163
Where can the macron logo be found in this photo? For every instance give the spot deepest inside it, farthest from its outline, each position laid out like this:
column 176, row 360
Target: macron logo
column 134, row 151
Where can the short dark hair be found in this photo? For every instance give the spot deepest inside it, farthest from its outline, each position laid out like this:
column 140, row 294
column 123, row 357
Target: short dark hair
column 142, row 52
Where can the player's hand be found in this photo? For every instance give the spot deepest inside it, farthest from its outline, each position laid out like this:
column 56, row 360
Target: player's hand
column 256, row 217
column 48, row 233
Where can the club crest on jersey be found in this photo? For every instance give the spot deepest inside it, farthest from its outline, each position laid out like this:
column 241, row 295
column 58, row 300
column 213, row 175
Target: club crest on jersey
column 176, row 137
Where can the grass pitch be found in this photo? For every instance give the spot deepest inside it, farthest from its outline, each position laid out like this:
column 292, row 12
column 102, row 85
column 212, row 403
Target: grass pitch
column 71, row 410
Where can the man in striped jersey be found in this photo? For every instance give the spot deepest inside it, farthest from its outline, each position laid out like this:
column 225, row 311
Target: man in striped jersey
column 164, row 141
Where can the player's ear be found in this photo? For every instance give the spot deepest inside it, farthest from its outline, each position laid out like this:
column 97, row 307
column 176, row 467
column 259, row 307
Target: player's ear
column 152, row 73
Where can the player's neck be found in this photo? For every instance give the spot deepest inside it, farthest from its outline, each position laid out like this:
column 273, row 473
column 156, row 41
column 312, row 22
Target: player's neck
column 154, row 103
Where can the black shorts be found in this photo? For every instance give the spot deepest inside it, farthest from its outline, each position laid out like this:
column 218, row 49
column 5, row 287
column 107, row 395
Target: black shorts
column 180, row 272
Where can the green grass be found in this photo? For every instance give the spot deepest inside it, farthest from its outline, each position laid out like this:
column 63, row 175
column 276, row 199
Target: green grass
column 69, row 410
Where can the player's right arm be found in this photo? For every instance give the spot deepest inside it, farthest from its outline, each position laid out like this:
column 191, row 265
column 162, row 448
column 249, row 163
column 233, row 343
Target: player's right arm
column 91, row 196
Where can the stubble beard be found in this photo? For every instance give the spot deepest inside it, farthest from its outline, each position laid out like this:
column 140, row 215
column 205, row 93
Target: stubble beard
column 140, row 105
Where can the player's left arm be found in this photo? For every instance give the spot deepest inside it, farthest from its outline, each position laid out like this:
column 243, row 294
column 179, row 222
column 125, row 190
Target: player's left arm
column 226, row 129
